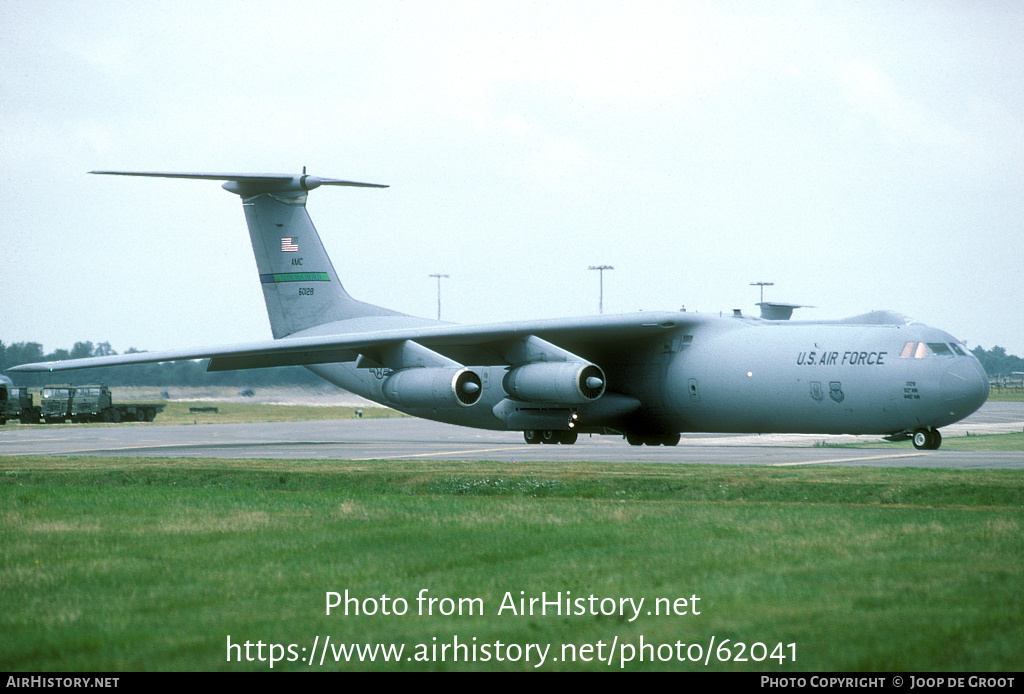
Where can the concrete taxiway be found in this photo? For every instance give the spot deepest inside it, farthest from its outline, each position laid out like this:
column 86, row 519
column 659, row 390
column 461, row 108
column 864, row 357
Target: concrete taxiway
column 415, row 439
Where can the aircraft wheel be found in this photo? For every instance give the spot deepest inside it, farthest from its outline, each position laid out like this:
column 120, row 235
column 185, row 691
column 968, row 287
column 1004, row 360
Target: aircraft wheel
column 635, row 440
column 670, row 439
column 548, row 436
column 568, row 437
column 531, row 436
column 927, row 439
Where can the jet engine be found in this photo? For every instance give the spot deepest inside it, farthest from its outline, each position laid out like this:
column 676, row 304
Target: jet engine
column 560, row 382
column 433, row 387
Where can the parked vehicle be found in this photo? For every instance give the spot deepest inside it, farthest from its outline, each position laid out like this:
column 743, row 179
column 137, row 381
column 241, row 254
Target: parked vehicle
column 91, row 403
column 56, row 403
column 17, row 403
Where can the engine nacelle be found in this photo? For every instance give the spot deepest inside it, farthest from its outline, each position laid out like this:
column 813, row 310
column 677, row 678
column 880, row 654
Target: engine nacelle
column 433, row 387
column 564, row 382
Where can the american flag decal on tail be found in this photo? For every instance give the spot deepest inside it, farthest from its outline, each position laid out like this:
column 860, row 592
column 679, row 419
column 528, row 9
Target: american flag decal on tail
column 287, row 246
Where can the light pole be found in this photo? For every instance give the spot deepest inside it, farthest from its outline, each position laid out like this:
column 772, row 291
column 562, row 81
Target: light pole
column 439, row 276
column 762, row 285
column 601, row 269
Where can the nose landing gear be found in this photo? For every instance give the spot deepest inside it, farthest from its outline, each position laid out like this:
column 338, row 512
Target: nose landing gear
column 927, row 439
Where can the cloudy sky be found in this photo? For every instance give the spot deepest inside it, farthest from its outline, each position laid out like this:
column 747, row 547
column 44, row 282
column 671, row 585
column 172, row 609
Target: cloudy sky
column 860, row 155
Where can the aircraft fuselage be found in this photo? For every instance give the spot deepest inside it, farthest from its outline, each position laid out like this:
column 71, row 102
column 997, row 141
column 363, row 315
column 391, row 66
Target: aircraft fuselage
column 747, row 375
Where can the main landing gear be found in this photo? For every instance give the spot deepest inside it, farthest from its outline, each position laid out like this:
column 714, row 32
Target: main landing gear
column 550, row 436
column 927, row 439
column 656, row 440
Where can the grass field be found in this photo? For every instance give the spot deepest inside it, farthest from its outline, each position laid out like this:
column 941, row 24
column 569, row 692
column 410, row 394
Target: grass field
column 181, row 412
column 1000, row 394
column 127, row 564
column 240, row 413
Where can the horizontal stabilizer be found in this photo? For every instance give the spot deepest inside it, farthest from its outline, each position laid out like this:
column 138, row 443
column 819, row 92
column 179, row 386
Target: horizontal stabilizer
column 248, row 185
column 300, row 286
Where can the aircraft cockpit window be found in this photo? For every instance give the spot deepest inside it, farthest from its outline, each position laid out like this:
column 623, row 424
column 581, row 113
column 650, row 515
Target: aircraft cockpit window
column 920, row 350
column 958, row 349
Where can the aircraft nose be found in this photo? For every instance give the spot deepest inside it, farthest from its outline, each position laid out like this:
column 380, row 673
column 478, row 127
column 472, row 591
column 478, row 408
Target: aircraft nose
column 965, row 385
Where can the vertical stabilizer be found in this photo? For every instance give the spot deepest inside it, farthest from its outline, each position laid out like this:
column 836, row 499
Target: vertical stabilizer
column 300, row 285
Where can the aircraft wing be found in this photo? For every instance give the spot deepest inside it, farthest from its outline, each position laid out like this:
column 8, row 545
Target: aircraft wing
column 590, row 337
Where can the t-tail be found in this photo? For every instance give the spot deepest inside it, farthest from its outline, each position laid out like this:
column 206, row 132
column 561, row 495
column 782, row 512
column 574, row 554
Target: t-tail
column 300, row 285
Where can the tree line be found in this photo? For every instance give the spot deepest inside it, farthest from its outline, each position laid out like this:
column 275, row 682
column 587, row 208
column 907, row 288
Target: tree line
column 997, row 362
column 168, row 374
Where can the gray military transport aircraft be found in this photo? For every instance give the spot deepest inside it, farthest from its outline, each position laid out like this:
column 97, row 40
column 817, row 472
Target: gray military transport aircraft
column 644, row 376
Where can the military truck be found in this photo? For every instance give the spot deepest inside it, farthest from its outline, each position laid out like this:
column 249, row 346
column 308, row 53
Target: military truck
column 16, row 403
column 56, row 403
column 91, row 403
column 94, row 403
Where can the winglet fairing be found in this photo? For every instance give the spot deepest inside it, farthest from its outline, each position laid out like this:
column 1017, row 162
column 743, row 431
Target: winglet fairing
column 646, row 376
